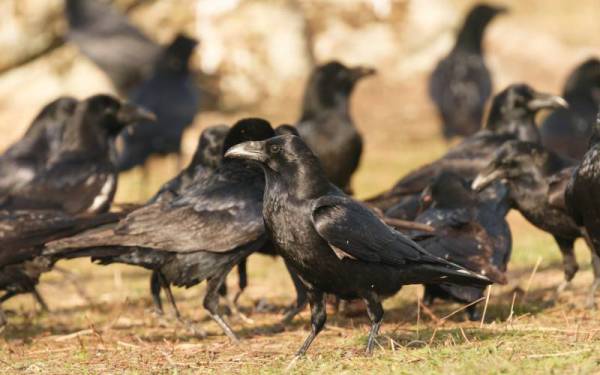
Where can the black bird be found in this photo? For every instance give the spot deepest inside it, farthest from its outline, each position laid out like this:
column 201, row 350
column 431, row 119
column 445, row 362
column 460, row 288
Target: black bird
column 460, row 84
column 335, row 244
column 535, row 177
column 582, row 199
column 512, row 116
column 567, row 130
column 27, row 157
column 198, row 236
column 22, row 237
column 470, row 230
column 107, row 38
column 80, row 175
column 171, row 94
column 326, row 125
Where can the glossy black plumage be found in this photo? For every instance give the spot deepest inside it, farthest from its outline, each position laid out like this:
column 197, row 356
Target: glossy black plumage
column 79, row 176
column 335, row 244
column 567, row 130
column 171, row 94
column 460, row 84
column 107, row 38
column 326, row 125
column 470, row 230
column 199, row 235
column 512, row 116
column 582, row 197
column 535, row 177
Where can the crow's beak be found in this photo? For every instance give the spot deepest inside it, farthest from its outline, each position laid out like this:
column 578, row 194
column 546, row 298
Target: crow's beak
column 130, row 114
column 501, row 9
column 542, row 101
column 362, row 71
column 484, row 179
column 248, row 150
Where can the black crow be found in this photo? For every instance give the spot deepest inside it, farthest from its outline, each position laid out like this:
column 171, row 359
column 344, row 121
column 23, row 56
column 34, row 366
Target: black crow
column 460, row 84
column 107, row 38
column 200, row 235
column 512, row 116
column 326, row 125
column 171, row 94
column 470, row 230
column 335, row 244
column 582, row 199
column 567, row 130
column 80, row 175
column 535, row 177
column 23, row 234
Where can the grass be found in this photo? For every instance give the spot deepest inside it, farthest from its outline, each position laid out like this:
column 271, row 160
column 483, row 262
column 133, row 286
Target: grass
column 107, row 326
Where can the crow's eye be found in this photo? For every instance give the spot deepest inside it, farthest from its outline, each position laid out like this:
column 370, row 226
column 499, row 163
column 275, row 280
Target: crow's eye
column 275, row 149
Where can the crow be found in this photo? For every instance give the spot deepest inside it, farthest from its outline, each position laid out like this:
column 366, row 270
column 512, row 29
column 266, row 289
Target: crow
column 80, row 175
column 107, row 38
column 460, row 84
column 567, row 130
column 23, row 234
column 470, row 230
column 333, row 243
column 582, row 199
column 512, row 116
column 326, row 125
column 536, row 177
column 200, row 235
column 172, row 95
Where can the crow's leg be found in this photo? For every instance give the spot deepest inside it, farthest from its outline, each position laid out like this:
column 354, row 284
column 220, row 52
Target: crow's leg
column 242, row 279
column 211, row 303
column 155, row 289
column 428, row 297
column 375, row 312
column 594, row 248
column 317, row 318
column 570, row 266
column 301, row 297
column 39, row 299
column 167, row 288
column 473, row 313
column 3, row 319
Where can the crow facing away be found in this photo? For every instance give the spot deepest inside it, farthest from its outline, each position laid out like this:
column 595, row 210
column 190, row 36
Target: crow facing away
column 107, row 38
column 200, row 235
column 512, row 116
column 582, row 199
column 567, row 130
column 461, row 84
column 335, row 244
column 326, row 125
column 537, row 180
column 171, row 94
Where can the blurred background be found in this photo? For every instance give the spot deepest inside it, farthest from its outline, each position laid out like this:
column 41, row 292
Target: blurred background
column 254, row 57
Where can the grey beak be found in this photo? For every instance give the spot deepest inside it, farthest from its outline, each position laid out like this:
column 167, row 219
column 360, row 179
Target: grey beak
column 247, row 150
column 130, row 114
column 484, row 180
column 362, row 71
column 541, row 101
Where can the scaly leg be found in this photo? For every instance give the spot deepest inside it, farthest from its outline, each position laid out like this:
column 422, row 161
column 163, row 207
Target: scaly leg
column 301, row 297
column 570, row 265
column 155, row 289
column 211, row 303
column 318, row 318
column 375, row 312
column 40, row 300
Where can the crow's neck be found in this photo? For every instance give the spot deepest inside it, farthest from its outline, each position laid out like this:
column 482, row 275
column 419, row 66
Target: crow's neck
column 470, row 36
column 318, row 104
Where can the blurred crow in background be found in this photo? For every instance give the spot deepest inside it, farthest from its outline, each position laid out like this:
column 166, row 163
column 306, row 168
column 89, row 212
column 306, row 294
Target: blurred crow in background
column 470, row 230
column 567, row 130
column 80, row 175
column 582, row 199
column 512, row 116
column 107, row 38
column 537, row 179
column 326, row 125
column 171, row 94
column 200, row 235
column 460, row 84
column 335, row 244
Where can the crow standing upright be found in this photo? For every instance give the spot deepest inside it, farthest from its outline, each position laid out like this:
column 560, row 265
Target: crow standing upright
column 326, row 125
column 461, row 84
column 512, row 116
column 567, row 130
column 335, row 244
column 582, row 197
column 171, row 94
column 107, row 38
